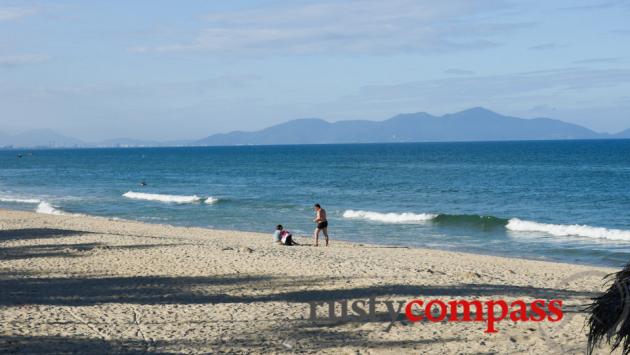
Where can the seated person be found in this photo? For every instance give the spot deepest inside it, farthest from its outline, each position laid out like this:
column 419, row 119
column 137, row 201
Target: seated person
column 281, row 236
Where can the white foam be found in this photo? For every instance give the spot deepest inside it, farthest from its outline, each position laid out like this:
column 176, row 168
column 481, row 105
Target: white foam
column 162, row 198
column 560, row 230
column 211, row 200
column 19, row 200
column 402, row 218
column 47, row 208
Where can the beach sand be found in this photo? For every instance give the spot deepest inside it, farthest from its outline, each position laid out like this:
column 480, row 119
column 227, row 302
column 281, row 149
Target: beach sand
column 84, row 284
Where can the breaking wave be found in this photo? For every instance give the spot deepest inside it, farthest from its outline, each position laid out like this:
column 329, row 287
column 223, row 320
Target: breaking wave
column 561, row 230
column 47, row 208
column 408, row 218
column 169, row 198
column 211, row 200
column 491, row 222
column 440, row 219
column 19, row 200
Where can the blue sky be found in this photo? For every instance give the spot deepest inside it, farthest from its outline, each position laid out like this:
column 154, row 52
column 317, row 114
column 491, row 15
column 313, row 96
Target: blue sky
column 189, row 68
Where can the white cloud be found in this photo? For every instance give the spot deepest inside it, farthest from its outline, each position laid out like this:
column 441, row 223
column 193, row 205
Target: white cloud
column 23, row 59
column 598, row 60
column 546, row 46
column 131, row 92
column 483, row 88
column 590, row 6
column 457, row 71
column 15, row 13
column 350, row 27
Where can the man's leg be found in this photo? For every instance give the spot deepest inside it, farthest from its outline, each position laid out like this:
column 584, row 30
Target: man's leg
column 316, row 235
column 326, row 235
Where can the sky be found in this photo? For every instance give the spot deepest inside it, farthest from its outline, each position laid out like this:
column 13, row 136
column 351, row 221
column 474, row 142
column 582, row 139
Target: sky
column 185, row 69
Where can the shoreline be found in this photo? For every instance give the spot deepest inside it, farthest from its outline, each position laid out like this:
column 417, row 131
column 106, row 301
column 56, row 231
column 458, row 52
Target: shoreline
column 78, row 282
column 236, row 231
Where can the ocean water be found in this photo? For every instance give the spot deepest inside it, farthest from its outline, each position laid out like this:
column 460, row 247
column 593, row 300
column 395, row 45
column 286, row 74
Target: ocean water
column 566, row 201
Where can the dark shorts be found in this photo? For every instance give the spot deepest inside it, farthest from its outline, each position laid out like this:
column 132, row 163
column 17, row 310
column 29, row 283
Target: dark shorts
column 322, row 225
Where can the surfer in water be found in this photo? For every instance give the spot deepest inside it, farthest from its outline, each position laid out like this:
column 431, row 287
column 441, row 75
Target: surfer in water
column 143, row 183
column 322, row 223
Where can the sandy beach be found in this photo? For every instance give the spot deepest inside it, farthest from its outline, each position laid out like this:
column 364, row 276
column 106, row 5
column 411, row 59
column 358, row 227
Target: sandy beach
column 71, row 284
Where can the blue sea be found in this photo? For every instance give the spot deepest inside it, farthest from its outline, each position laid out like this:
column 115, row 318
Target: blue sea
column 565, row 201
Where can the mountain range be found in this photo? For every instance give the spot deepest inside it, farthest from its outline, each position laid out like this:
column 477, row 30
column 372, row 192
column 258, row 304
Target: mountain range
column 475, row 124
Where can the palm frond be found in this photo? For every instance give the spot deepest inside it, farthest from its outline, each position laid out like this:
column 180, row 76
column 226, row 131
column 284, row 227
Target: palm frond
column 609, row 318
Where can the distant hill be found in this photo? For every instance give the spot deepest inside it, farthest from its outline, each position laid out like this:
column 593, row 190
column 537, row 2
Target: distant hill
column 624, row 134
column 47, row 138
column 476, row 124
column 40, row 138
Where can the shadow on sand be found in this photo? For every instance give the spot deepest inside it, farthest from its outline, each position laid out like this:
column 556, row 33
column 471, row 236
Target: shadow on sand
column 81, row 291
column 65, row 250
column 38, row 233
column 18, row 289
column 286, row 342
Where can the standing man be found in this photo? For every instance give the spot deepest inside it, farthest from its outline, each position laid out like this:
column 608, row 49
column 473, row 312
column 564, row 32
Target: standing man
column 322, row 223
